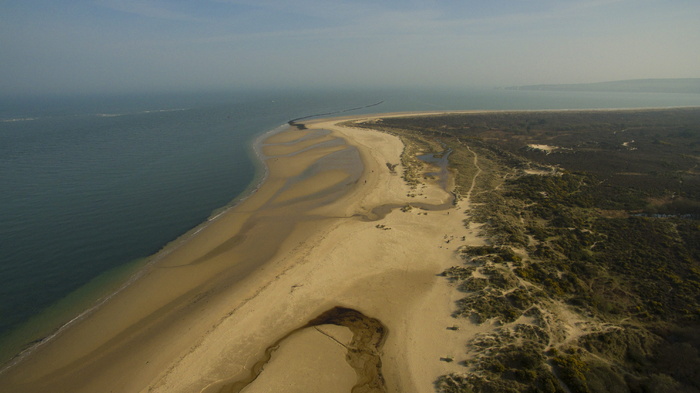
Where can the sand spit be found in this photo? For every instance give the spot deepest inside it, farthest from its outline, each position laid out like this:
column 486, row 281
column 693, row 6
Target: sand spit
column 243, row 296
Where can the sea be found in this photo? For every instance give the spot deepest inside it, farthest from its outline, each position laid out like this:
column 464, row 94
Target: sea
column 91, row 186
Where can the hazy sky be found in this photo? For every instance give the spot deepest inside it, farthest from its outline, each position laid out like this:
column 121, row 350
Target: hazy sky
column 51, row 46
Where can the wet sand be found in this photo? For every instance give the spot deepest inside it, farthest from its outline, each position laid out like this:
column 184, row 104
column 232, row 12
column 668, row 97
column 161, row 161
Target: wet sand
column 211, row 307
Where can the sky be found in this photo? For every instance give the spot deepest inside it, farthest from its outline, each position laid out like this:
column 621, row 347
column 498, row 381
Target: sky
column 122, row 46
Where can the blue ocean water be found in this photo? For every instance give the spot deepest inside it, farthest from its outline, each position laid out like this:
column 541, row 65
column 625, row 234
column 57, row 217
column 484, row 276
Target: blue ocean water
column 89, row 185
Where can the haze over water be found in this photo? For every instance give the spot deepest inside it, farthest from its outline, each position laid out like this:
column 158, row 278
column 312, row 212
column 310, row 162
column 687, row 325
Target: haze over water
column 91, row 185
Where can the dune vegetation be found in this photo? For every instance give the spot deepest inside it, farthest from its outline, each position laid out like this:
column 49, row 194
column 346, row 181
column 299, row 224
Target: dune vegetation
column 591, row 275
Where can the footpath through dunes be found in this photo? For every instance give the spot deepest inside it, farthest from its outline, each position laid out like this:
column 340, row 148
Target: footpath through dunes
column 238, row 304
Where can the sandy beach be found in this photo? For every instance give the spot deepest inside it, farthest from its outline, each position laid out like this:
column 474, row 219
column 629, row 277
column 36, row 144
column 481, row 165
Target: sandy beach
column 305, row 286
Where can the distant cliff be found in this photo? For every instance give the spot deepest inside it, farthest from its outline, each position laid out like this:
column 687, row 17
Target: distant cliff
column 685, row 85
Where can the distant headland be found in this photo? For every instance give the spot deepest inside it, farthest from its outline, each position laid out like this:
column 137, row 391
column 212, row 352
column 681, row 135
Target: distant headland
column 679, row 85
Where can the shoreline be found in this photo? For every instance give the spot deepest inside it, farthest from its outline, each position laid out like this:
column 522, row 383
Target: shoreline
column 143, row 263
column 157, row 262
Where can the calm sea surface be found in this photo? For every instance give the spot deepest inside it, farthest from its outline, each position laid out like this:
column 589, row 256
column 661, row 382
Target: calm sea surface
column 90, row 187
